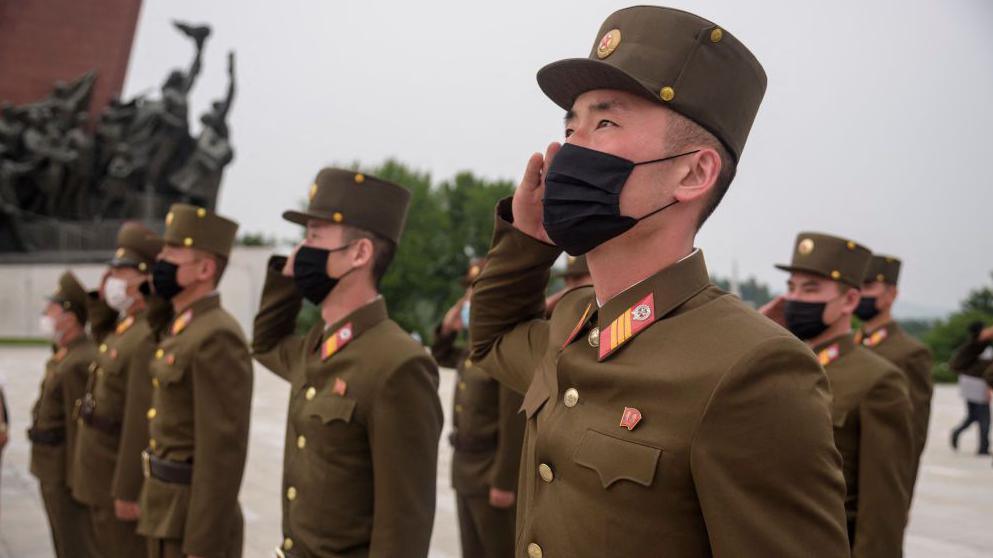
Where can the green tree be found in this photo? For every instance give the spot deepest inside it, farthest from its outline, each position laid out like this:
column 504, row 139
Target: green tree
column 950, row 333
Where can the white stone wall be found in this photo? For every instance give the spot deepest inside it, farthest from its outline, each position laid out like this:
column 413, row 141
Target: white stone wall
column 23, row 288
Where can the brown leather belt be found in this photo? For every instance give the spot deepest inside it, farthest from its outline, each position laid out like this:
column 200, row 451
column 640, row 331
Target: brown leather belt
column 172, row 472
column 49, row 437
column 472, row 444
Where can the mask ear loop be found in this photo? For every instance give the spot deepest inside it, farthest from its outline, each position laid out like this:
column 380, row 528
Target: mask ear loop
column 673, row 202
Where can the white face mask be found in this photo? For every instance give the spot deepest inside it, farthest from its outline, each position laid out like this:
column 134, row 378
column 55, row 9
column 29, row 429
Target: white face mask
column 47, row 326
column 115, row 292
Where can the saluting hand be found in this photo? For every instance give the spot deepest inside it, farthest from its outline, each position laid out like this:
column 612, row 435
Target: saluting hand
column 775, row 310
column 288, row 266
column 453, row 318
column 527, row 205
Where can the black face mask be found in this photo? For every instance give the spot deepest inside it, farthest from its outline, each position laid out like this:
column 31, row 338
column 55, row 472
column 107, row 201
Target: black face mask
column 310, row 273
column 164, row 279
column 805, row 319
column 866, row 310
column 582, row 203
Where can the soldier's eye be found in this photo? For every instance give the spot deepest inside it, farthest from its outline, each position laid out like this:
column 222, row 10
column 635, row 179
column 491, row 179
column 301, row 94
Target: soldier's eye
column 604, row 124
column 568, row 132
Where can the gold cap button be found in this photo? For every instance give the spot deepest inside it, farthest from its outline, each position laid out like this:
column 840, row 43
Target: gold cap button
column 187, row 242
column 151, row 413
column 301, row 442
column 311, row 392
column 201, row 212
column 534, row 551
column 571, row 397
column 338, row 217
column 836, row 275
column 667, row 94
column 716, row 35
column 545, row 472
column 287, row 544
column 291, row 493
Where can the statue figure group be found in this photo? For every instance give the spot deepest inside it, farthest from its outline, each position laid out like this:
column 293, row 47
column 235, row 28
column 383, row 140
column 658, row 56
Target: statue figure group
column 139, row 158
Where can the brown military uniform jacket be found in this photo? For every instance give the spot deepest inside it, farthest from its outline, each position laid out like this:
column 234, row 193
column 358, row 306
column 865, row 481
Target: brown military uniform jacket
column 63, row 385
column 873, row 418
column 487, row 428
column 914, row 359
column 201, row 402
column 114, row 427
column 360, row 461
column 687, row 425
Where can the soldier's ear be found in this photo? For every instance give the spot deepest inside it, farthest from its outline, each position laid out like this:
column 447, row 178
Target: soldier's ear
column 364, row 252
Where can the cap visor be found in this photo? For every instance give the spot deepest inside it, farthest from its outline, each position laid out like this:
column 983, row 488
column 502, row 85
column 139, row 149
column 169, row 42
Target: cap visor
column 301, row 217
column 565, row 80
column 122, row 262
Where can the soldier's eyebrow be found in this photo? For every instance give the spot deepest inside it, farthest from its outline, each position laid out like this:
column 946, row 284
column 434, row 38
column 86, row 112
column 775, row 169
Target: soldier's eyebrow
column 608, row 105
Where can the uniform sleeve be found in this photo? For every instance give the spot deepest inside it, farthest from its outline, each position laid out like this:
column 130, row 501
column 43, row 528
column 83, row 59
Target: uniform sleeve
column 918, row 369
column 222, row 399
column 274, row 343
column 967, row 355
column 510, row 438
column 404, row 430
column 507, row 327
column 764, row 463
column 128, row 477
column 443, row 349
column 75, row 377
column 886, row 456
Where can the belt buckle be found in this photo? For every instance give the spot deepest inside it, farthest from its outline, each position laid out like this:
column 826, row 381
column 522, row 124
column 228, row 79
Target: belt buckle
column 146, row 464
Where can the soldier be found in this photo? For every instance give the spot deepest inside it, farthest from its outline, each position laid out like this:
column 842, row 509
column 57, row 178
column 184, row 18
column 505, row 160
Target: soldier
column 53, row 425
column 577, row 274
column 361, row 453
column 201, row 398
column 970, row 361
column 871, row 408
column 486, row 435
column 114, row 428
column 662, row 412
column 881, row 334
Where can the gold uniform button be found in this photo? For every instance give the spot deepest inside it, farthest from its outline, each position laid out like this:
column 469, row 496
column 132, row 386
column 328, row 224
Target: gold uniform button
column 667, row 94
column 103, row 348
column 534, row 551
column 468, row 363
column 311, row 392
column 287, row 544
column 461, row 386
column 571, row 397
column 301, row 442
column 152, row 443
column 159, row 354
column 545, row 472
column 458, row 408
column 291, row 493
column 151, row 413
column 155, row 383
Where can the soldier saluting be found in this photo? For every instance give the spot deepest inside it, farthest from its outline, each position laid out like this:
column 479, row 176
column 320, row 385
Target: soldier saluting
column 361, row 453
column 201, row 398
column 662, row 412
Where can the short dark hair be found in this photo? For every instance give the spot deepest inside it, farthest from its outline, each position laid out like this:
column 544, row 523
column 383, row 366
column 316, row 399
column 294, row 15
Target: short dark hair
column 383, row 251
column 683, row 134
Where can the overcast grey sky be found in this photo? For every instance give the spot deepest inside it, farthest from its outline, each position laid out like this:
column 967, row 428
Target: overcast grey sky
column 876, row 123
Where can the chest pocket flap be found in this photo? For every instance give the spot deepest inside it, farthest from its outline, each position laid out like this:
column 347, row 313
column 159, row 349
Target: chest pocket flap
column 171, row 366
column 614, row 459
column 536, row 395
column 332, row 408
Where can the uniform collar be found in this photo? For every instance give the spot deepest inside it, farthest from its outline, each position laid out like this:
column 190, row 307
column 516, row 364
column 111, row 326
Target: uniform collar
column 877, row 336
column 634, row 310
column 198, row 308
column 351, row 327
column 833, row 349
